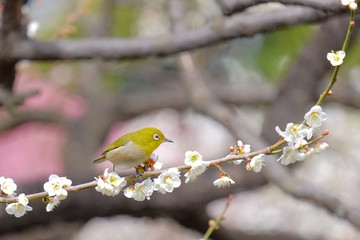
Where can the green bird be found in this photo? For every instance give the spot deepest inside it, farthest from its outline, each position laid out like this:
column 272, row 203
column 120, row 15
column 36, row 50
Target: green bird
column 132, row 149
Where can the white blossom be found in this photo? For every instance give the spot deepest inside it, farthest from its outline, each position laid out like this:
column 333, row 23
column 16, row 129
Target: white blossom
column 237, row 162
column 310, row 132
column 257, row 162
column 315, row 116
column 320, row 147
column 336, row 58
column 193, row 158
column 309, row 152
column 353, row 6
column 55, row 186
column 128, row 192
column 351, row 3
column 19, row 208
column 8, row 186
column 346, row 2
column 293, row 134
column 242, row 149
column 157, row 165
column 195, row 172
column 110, row 184
column 52, row 203
column 223, row 182
column 167, row 181
column 291, row 155
column 140, row 191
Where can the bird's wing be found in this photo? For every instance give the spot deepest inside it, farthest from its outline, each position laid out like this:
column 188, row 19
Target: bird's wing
column 118, row 143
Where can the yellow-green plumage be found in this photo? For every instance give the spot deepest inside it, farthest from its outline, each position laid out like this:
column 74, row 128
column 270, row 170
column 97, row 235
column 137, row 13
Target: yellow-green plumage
column 133, row 148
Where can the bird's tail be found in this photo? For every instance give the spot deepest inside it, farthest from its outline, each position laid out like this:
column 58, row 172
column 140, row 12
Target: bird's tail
column 100, row 159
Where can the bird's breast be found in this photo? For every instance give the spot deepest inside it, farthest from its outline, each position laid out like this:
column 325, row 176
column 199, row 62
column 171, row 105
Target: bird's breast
column 126, row 156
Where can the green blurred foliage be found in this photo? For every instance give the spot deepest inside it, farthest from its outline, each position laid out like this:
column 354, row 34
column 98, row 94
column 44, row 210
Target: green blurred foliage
column 123, row 20
column 279, row 49
column 268, row 55
column 352, row 54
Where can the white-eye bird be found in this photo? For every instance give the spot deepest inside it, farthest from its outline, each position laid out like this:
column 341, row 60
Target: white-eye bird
column 134, row 148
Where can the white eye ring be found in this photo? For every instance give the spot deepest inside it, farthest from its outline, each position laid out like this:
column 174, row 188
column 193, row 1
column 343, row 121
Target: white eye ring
column 156, row 136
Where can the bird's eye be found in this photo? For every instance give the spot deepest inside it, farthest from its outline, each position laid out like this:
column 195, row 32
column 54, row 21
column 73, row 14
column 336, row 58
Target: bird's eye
column 156, row 136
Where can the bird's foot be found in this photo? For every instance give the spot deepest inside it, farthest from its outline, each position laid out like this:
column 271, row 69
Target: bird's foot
column 149, row 164
column 139, row 170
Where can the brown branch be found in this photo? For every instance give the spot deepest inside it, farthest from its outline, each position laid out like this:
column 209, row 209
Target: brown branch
column 11, row 18
column 230, row 7
column 220, row 30
column 10, row 29
column 10, row 100
column 32, row 116
column 191, row 194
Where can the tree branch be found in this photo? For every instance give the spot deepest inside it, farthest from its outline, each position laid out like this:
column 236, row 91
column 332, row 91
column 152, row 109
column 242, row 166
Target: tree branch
column 230, row 7
column 10, row 29
column 32, row 116
column 194, row 194
column 244, row 25
column 11, row 101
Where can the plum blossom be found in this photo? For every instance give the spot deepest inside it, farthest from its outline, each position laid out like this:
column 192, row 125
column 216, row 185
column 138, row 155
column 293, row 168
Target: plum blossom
column 167, row 181
column 55, row 186
column 19, row 208
column 193, row 158
column 320, row 147
column 223, row 181
column 52, row 202
column 110, row 184
column 242, row 149
column 140, row 191
column 336, row 58
column 350, row 3
column 315, row 117
column 8, row 186
column 293, row 134
column 256, row 163
column 291, row 155
column 195, row 172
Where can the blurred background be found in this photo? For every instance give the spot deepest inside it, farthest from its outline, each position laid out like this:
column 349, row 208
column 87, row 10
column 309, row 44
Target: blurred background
column 204, row 100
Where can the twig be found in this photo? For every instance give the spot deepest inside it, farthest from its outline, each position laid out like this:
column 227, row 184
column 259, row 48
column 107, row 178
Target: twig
column 34, row 115
column 92, row 184
column 11, row 100
column 214, row 224
column 336, row 69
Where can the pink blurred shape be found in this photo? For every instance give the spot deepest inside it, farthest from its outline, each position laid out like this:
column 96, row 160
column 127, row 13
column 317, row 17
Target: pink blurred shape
column 33, row 151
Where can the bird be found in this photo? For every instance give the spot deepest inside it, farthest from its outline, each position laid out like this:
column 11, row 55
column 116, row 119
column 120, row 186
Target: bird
column 133, row 149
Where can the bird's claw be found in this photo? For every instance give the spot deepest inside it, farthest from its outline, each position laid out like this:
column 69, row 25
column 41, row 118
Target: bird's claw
column 139, row 170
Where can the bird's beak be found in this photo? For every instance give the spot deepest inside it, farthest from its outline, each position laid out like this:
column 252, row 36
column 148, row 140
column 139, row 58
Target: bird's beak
column 167, row 140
